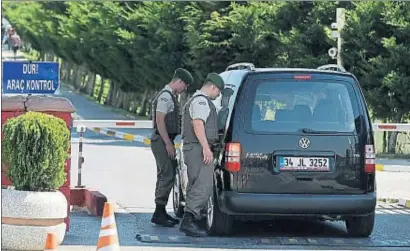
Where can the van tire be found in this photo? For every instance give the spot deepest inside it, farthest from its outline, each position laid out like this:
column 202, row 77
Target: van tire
column 360, row 226
column 221, row 223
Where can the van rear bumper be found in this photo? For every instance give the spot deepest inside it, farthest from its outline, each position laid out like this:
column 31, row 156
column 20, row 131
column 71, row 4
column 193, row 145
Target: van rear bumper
column 235, row 203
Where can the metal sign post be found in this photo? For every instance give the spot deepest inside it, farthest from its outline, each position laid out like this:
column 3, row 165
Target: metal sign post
column 81, row 130
column 336, row 53
column 340, row 19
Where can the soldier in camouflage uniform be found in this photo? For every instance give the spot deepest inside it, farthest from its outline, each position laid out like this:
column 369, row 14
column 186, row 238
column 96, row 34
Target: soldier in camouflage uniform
column 199, row 133
column 166, row 119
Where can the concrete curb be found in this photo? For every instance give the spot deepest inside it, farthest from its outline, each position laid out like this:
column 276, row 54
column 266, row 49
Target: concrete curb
column 404, row 203
column 401, row 202
column 92, row 200
column 392, row 168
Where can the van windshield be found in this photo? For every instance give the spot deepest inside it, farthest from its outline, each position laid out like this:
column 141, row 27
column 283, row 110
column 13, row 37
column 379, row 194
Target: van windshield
column 303, row 106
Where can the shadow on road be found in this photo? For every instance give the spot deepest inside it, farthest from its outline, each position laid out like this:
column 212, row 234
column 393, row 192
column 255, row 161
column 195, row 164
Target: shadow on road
column 136, row 230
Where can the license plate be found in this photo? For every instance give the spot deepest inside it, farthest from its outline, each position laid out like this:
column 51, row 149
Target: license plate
column 304, row 164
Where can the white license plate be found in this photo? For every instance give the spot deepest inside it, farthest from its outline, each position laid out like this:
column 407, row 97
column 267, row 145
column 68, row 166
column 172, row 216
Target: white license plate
column 304, row 164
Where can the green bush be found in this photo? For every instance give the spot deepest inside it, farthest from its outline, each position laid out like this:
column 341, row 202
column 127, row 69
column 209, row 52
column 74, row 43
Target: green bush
column 35, row 148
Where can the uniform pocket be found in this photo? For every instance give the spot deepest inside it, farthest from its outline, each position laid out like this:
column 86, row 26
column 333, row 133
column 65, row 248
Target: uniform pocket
column 187, row 148
column 155, row 137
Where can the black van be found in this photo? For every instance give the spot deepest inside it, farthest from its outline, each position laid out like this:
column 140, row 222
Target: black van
column 294, row 142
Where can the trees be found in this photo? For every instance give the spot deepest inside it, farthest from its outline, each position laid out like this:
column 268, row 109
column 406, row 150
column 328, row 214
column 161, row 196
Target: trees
column 121, row 53
column 376, row 49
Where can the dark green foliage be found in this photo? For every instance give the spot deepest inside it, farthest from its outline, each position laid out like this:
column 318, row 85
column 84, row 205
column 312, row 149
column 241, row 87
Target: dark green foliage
column 35, row 149
column 135, row 47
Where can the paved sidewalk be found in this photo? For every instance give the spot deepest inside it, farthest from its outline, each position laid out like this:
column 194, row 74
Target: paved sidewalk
column 7, row 55
column 125, row 248
column 393, row 185
column 393, row 165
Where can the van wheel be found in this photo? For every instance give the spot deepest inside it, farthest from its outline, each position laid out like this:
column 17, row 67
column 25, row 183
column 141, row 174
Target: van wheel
column 177, row 198
column 217, row 222
column 360, row 226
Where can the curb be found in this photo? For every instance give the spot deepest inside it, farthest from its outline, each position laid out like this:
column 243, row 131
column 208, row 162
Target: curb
column 92, row 200
column 392, row 168
column 388, row 200
column 404, row 203
column 401, row 202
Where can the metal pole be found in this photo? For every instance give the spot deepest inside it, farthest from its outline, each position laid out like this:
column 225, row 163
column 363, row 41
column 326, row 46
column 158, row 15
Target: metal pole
column 340, row 19
column 81, row 130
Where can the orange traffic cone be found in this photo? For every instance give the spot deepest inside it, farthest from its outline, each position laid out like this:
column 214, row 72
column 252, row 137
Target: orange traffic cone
column 108, row 239
column 51, row 242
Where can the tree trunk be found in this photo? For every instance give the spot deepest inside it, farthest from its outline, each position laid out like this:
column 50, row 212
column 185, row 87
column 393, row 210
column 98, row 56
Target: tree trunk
column 84, row 79
column 42, row 56
column 63, row 71
column 385, row 136
column 74, row 75
column 111, row 93
column 77, row 79
column 128, row 101
column 393, row 136
column 89, row 88
column 119, row 99
column 70, row 71
column 144, row 104
column 134, row 102
column 49, row 57
column 384, row 149
column 101, row 90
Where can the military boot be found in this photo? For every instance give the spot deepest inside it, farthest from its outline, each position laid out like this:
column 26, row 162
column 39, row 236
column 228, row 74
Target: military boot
column 172, row 219
column 190, row 228
column 169, row 217
column 160, row 217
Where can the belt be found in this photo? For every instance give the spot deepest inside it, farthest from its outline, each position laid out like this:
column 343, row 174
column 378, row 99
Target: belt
column 171, row 136
column 214, row 146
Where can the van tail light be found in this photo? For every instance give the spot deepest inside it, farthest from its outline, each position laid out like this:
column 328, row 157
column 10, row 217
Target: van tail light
column 233, row 157
column 370, row 159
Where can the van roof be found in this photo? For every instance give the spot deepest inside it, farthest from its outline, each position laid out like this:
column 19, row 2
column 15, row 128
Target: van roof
column 325, row 69
column 298, row 69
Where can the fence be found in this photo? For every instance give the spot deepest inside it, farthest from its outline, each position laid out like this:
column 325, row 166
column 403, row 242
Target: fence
column 100, row 126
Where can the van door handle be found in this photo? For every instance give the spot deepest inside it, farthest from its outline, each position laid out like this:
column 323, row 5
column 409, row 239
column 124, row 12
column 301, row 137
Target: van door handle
column 304, row 178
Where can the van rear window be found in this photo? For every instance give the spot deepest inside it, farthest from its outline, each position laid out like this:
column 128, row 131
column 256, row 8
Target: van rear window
column 290, row 106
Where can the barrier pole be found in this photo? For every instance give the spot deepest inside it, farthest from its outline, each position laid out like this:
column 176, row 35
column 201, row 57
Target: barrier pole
column 81, row 130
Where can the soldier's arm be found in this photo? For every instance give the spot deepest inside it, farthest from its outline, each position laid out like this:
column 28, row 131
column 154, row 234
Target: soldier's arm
column 199, row 113
column 162, row 109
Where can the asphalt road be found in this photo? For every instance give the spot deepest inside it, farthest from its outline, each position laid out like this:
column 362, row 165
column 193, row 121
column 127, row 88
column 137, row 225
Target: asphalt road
column 125, row 173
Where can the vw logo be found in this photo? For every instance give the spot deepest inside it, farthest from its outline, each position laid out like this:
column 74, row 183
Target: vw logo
column 304, row 143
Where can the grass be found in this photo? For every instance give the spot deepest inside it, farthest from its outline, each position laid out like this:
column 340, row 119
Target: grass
column 31, row 56
column 97, row 89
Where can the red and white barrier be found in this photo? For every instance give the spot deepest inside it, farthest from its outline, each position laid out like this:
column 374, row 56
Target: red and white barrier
column 390, row 127
column 147, row 124
column 143, row 124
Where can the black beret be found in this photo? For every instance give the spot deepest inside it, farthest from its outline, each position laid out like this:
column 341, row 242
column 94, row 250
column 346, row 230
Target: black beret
column 184, row 75
column 216, row 80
